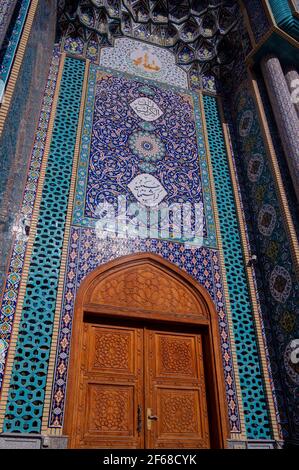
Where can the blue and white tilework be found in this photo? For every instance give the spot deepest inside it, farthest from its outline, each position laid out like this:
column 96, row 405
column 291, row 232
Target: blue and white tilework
column 135, row 127
column 144, row 60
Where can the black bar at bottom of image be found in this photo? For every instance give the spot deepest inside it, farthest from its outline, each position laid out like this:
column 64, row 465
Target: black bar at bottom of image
column 104, row 458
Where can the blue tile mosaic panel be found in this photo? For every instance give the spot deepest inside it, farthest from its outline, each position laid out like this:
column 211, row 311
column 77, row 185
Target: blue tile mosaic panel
column 135, row 128
column 29, row 375
column 252, row 387
column 141, row 130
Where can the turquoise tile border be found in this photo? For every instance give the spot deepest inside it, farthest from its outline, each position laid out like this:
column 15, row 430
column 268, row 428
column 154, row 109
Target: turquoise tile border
column 80, row 192
column 8, row 303
column 29, row 374
column 253, row 393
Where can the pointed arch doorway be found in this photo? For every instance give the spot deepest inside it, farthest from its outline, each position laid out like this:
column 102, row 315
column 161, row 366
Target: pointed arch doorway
column 146, row 368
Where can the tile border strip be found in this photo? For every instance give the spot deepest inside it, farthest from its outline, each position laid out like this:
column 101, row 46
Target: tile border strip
column 251, row 284
column 28, row 380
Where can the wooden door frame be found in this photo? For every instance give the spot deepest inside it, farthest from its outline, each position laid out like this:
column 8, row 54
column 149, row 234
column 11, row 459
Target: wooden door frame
column 206, row 321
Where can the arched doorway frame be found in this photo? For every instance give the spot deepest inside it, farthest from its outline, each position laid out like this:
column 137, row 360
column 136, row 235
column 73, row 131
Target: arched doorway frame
column 206, row 321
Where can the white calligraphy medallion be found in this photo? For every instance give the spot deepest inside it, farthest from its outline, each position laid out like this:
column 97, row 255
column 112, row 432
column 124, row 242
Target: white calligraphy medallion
column 147, row 190
column 146, row 109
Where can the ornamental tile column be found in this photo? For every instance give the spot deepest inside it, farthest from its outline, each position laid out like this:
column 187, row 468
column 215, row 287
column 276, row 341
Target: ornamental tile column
column 6, row 10
column 285, row 114
column 292, row 78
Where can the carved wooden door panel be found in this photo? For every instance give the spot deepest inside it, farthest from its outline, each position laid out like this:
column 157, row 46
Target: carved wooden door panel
column 111, row 388
column 140, row 388
column 175, row 396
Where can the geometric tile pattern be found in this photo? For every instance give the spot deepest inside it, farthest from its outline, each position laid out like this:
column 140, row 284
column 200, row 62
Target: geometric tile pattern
column 29, row 374
column 264, row 324
column 252, row 387
column 13, row 279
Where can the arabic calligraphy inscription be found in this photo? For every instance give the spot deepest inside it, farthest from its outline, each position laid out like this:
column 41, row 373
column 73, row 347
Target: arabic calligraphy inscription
column 147, row 190
column 146, row 109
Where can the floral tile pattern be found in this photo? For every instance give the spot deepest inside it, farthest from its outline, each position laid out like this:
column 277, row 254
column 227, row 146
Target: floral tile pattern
column 279, row 298
column 119, row 144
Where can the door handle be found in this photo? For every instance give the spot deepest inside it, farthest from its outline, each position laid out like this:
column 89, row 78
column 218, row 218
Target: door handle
column 149, row 418
column 139, row 419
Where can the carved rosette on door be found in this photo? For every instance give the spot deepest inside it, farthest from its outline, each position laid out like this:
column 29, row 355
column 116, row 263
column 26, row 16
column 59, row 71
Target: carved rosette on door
column 141, row 388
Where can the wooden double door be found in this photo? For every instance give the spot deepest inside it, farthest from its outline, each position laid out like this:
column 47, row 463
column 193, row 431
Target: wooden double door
column 140, row 387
